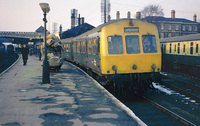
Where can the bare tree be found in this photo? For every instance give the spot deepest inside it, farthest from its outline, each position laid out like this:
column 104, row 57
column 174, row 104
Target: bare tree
column 152, row 10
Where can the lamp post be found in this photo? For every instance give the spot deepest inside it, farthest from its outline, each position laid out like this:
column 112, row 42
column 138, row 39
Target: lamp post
column 45, row 74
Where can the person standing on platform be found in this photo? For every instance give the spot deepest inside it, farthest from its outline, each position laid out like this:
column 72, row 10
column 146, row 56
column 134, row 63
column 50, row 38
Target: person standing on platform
column 25, row 52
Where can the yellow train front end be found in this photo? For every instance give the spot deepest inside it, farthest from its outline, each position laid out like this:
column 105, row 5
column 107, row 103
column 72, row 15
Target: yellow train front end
column 130, row 47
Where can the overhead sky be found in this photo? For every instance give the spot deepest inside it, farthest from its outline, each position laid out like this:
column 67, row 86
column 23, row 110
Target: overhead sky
column 26, row 15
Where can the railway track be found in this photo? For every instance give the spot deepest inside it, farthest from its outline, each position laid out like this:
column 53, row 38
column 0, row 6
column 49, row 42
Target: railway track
column 153, row 114
column 178, row 94
column 159, row 108
column 183, row 85
column 7, row 62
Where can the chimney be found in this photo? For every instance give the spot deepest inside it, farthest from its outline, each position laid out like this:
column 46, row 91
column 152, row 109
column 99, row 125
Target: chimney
column 79, row 20
column 138, row 15
column 129, row 14
column 60, row 33
column 109, row 18
column 72, row 21
column 73, row 17
column 195, row 18
column 173, row 14
column 117, row 15
column 82, row 22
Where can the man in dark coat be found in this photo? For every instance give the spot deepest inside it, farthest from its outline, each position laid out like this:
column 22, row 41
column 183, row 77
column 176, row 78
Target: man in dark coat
column 25, row 52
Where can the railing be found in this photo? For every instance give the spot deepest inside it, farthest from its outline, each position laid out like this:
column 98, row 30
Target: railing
column 21, row 34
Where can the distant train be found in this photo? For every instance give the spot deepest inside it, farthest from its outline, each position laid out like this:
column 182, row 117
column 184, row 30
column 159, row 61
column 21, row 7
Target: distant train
column 2, row 50
column 182, row 54
column 10, row 49
column 125, row 53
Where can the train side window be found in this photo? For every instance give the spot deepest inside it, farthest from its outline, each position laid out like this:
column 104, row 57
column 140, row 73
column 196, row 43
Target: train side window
column 98, row 44
column 184, row 48
column 175, row 48
column 191, row 48
column 83, row 47
column 197, row 48
column 115, row 44
column 170, row 48
column 90, row 46
column 68, row 48
column 74, row 47
column 132, row 44
column 94, row 47
column 164, row 48
column 78, row 47
column 149, row 43
column 178, row 48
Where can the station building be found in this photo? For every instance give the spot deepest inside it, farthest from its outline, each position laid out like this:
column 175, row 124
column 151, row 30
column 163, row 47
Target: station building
column 170, row 27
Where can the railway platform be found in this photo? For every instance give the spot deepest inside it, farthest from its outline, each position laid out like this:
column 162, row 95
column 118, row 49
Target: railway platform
column 71, row 99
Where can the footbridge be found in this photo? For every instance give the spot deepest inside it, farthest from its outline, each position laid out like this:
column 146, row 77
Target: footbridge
column 21, row 37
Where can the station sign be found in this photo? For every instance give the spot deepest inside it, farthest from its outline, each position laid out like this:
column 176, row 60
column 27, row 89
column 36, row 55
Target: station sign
column 131, row 29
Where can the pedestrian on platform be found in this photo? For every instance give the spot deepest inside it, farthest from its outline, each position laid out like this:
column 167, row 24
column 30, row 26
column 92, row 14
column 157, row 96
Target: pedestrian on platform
column 25, row 52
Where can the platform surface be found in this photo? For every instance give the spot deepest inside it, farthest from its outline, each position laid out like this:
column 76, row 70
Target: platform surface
column 71, row 99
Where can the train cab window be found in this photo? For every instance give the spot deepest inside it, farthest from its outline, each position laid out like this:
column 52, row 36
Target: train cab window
column 149, row 43
column 132, row 44
column 115, row 44
column 191, row 48
column 170, row 48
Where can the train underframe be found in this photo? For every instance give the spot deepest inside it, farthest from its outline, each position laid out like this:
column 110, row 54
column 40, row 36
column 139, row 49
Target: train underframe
column 120, row 84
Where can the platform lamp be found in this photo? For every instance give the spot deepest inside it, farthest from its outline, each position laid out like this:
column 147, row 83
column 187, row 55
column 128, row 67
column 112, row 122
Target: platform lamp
column 45, row 75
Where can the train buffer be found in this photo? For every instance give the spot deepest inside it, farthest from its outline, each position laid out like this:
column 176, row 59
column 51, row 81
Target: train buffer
column 71, row 99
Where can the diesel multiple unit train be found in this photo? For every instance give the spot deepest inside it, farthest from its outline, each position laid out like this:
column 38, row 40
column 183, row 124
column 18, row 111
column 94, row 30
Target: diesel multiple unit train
column 182, row 54
column 124, row 52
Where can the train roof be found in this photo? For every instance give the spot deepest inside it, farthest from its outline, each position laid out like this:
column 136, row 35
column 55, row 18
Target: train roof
column 97, row 29
column 191, row 37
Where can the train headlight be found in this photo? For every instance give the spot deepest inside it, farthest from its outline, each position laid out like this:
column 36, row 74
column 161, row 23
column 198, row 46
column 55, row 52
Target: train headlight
column 114, row 68
column 153, row 66
column 134, row 67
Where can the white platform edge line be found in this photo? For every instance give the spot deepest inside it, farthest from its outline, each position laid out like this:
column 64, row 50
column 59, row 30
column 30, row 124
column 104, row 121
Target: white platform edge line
column 11, row 65
column 115, row 100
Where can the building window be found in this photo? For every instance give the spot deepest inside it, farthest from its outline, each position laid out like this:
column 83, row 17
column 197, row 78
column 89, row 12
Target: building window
column 169, row 27
column 162, row 26
column 195, row 28
column 177, row 27
column 161, row 35
column 189, row 28
column 183, row 28
column 170, row 35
